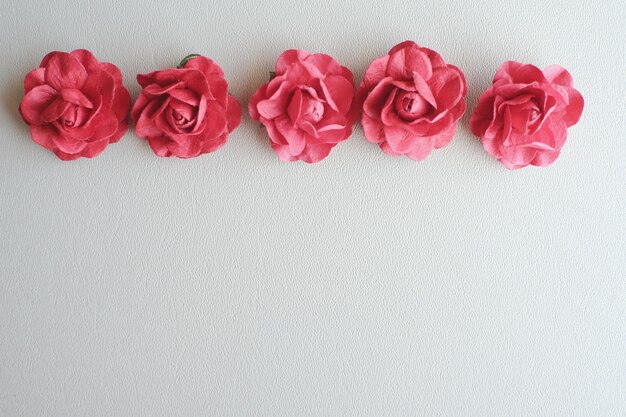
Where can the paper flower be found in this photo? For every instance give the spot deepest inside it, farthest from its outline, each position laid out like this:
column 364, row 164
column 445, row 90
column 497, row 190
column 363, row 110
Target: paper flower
column 308, row 107
column 186, row 111
column 523, row 117
column 412, row 101
column 75, row 105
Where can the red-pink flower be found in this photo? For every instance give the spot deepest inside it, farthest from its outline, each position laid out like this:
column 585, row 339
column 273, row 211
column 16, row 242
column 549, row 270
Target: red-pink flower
column 75, row 105
column 308, row 107
column 412, row 101
column 186, row 111
column 523, row 117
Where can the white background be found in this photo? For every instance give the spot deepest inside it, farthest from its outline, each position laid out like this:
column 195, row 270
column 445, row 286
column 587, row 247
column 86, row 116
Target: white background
column 234, row 284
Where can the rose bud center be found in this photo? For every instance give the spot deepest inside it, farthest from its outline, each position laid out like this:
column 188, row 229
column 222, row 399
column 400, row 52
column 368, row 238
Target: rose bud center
column 179, row 118
column 410, row 105
column 524, row 117
column 71, row 118
column 312, row 110
column 183, row 116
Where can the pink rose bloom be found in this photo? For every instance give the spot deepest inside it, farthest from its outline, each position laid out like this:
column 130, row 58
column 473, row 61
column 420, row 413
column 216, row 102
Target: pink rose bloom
column 412, row 101
column 186, row 111
column 523, row 117
column 75, row 105
column 309, row 106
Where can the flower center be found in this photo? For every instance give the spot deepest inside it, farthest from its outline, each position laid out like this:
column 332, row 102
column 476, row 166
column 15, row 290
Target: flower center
column 411, row 105
column 182, row 117
column 178, row 117
column 533, row 114
column 68, row 119
column 312, row 110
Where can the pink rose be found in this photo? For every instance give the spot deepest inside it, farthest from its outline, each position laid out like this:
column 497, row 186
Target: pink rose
column 75, row 105
column 523, row 117
column 185, row 111
column 412, row 101
column 309, row 106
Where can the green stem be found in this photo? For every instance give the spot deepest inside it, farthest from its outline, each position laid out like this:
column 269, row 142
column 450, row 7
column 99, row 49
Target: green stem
column 187, row 59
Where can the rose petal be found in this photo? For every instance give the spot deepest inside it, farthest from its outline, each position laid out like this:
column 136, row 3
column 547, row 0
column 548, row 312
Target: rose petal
column 388, row 114
column 64, row 71
column 506, row 71
column 558, row 75
column 202, row 110
column 283, row 152
column 207, row 66
column 375, row 72
column 543, row 159
column 574, row 109
column 157, row 90
column 448, row 87
column 294, row 107
column 102, row 125
column 215, row 123
column 299, row 74
column 144, row 124
column 86, row 59
column 66, row 156
column 296, row 138
column 384, row 146
column 377, row 98
column 403, row 45
column 43, row 135
column 100, row 85
column 35, row 102
column 339, row 93
column 484, row 114
column 219, row 90
column 122, row 128
column 321, row 65
column 184, row 95
column 159, row 145
column 189, row 148
column 121, row 102
column 399, row 140
column 277, row 104
column 55, row 110
column 517, row 157
column 34, row 78
column 444, row 138
column 289, row 58
column 113, row 71
column 214, row 144
column 193, row 79
column 254, row 101
column 332, row 121
column 403, row 63
column 273, row 133
column 436, row 61
column 315, row 153
column 424, row 90
column 140, row 104
column 373, row 129
column 422, row 148
column 94, row 149
column 527, row 74
column 76, row 97
column 68, row 144
column 333, row 136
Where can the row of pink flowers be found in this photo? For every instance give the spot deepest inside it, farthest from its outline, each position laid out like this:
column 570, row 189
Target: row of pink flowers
column 410, row 102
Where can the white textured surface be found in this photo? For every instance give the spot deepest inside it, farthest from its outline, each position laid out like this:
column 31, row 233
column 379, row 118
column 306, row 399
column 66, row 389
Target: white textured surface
column 236, row 285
